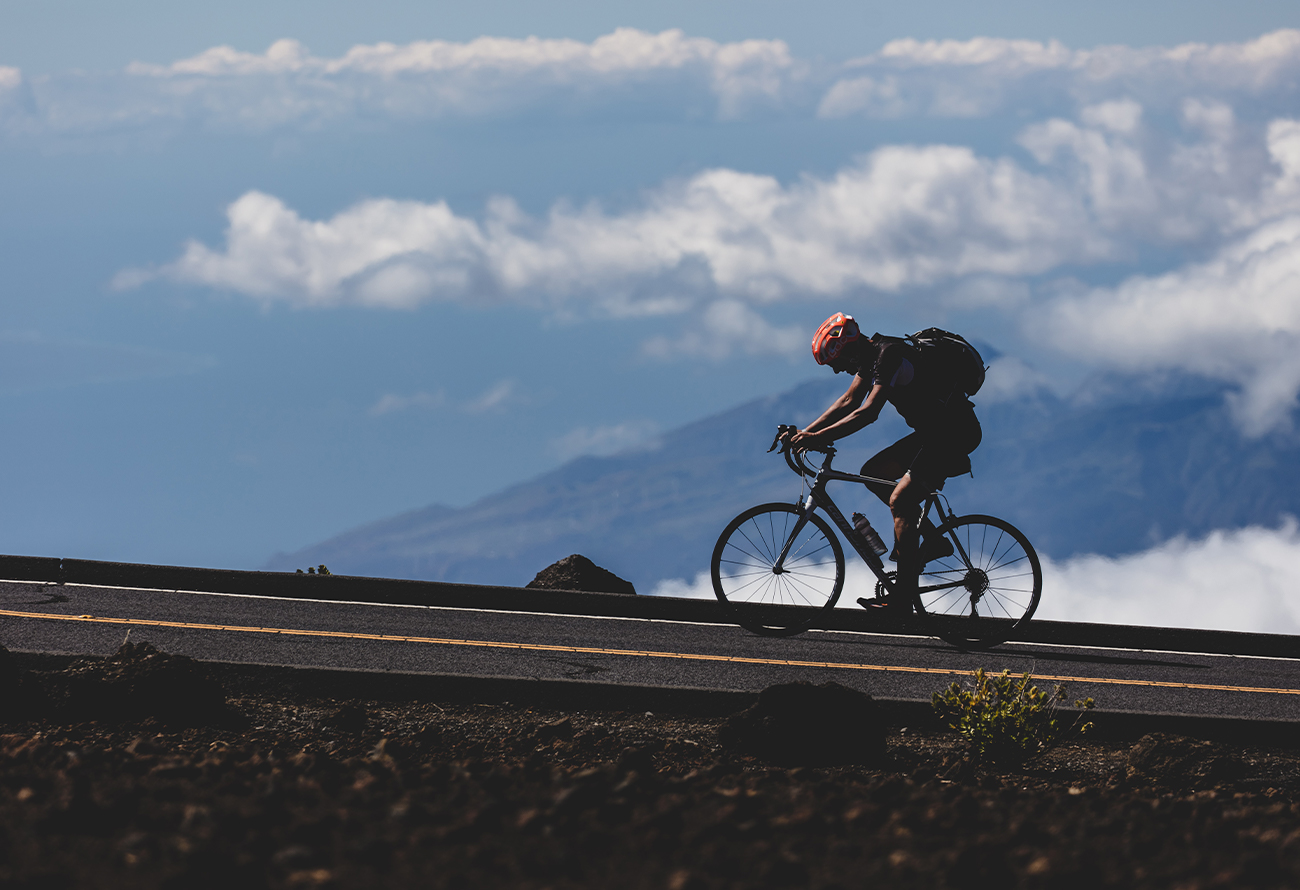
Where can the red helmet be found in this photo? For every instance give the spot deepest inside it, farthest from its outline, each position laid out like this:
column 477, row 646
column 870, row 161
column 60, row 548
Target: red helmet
column 831, row 338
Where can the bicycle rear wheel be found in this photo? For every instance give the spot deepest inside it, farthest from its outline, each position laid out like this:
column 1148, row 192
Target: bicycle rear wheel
column 774, row 602
column 987, row 589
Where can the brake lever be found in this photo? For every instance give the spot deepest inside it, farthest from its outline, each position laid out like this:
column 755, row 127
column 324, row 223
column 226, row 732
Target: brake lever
column 781, row 431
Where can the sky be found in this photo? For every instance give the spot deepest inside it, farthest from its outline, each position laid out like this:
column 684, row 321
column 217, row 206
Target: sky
column 272, row 270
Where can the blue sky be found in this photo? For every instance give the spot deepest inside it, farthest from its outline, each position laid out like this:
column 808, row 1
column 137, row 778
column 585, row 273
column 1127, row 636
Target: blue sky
column 362, row 259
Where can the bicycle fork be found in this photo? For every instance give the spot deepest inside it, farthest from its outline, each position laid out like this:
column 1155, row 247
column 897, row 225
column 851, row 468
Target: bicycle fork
column 809, row 505
column 869, row 556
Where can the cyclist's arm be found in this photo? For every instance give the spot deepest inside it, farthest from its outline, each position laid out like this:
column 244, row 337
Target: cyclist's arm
column 858, row 407
column 842, row 406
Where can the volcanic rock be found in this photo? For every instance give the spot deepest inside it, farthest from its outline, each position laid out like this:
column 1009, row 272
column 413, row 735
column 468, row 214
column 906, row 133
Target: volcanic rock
column 799, row 724
column 1179, row 762
column 136, row 683
column 576, row 572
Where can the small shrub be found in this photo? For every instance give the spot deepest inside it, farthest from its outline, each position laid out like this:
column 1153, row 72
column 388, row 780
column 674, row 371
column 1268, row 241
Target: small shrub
column 1005, row 719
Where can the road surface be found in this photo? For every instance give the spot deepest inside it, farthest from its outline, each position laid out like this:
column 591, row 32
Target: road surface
column 78, row 619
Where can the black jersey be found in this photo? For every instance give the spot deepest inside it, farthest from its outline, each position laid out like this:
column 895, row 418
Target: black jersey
column 911, row 383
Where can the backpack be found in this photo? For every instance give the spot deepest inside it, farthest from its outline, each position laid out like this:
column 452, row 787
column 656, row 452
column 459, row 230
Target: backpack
column 954, row 359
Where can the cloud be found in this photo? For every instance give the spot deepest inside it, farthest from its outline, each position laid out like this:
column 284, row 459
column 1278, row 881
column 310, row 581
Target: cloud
column 391, row 403
column 734, row 69
column 701, row 588
column 1172, row 166
column 1235, row 317
column 1210, row 177
column 379, row 253
column 1244, row 580
column 1009, row 378
column 636, row 72
column 987, row 76
column 498, row 396
column 899, row 217
column 634, row 435
column 728, row 327
column 718, row 247
column 227, row 89
column 15, row 98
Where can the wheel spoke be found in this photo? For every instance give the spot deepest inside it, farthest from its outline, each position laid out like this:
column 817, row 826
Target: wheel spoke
column 811, row 575
column 998, row 584
column 757, row 585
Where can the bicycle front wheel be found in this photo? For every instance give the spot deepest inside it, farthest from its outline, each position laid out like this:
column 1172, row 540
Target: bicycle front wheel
column 766, row 598
column 987, row 589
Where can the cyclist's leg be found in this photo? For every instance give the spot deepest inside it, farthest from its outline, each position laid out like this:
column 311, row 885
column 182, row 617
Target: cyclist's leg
column 905, row 504
column 907, row 454
column 891, row 463
column 944, row 452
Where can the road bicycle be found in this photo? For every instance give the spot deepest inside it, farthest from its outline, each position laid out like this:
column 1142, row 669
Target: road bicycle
column 778, row 567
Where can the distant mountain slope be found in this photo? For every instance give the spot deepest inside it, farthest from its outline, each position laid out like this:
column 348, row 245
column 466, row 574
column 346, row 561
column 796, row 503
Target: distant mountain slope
column 1110, row 477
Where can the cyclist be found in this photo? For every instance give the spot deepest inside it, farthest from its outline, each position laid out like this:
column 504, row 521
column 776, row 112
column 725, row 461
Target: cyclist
column 945, row 432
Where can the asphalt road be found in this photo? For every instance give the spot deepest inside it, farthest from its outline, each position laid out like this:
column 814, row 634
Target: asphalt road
column 73, row 619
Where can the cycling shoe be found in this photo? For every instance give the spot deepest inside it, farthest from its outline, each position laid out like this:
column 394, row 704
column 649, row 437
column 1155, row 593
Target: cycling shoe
column 882, row 605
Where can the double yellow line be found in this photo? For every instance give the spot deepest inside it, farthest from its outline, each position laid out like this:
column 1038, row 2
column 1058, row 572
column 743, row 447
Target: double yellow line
column 600, row 650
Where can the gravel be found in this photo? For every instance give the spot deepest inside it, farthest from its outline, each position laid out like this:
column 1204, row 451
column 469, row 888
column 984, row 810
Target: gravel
column 301, row 791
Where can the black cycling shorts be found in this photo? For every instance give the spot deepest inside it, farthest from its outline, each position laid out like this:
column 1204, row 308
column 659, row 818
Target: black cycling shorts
column 938, row 453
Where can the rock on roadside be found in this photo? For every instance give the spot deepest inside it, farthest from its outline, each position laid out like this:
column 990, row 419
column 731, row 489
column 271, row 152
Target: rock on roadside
column 576, row 572
column 799, row 724
column 136, row 683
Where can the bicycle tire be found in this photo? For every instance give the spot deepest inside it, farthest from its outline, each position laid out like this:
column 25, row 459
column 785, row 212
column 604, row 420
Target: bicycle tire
column 1000, row 573
column 767, row 602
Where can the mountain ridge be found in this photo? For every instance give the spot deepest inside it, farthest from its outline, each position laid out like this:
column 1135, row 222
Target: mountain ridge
column 1112, row 474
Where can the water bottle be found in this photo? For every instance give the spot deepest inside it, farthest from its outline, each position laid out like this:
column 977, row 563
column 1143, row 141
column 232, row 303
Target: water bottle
column 869, row 534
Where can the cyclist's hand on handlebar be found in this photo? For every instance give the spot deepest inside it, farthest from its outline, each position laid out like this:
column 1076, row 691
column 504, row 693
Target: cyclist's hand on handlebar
column 806, row 441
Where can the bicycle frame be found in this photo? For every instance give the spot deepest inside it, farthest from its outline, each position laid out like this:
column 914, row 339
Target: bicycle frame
column 818, row 497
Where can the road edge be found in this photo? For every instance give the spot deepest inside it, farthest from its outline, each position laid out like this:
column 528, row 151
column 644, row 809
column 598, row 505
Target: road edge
column 389, row 591
column 251, row 678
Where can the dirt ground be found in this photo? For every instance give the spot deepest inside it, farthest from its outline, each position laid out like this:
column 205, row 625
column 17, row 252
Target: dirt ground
column 96, row 791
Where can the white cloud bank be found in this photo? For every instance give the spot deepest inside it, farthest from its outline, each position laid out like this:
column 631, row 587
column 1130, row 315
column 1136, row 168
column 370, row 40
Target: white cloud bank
column 437, row 76
column 1235, row 318
column 901, row 217
column 229, row 90
column 669, row 73
column 1232, row 316
column 937, row 223
column 986, row 76
column 1245, row 580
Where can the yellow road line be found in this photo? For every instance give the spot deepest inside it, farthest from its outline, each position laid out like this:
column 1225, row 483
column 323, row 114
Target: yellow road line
column 638, row 653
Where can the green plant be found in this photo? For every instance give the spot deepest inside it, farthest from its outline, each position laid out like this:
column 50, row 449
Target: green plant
column 1005, row 719
column 312, row 571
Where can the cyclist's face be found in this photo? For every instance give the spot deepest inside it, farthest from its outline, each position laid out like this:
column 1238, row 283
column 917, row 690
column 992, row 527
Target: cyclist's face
column 846, row 360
